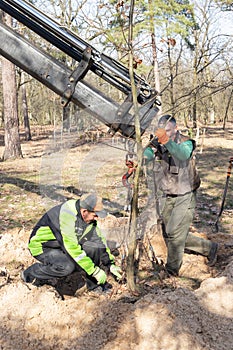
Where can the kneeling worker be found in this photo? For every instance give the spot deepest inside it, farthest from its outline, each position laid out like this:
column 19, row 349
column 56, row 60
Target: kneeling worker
column 66, row 236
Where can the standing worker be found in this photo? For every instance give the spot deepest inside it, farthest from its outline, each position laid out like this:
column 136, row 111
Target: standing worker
column 66, row 236
column 178, row 181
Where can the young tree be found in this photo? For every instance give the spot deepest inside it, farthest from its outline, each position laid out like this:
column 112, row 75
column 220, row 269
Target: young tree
column 132, row 238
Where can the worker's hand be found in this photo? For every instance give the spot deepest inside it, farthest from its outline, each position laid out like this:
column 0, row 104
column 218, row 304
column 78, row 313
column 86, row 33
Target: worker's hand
column 155, row 142
column 116, row 271
column 99, row 275
column 162, row 136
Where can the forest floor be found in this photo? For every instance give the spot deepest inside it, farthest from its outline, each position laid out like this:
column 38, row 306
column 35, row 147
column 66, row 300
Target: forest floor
column 193, row 311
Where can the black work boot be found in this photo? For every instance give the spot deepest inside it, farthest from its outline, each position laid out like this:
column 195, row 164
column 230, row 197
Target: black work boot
column 26, row 277
column 213, row 254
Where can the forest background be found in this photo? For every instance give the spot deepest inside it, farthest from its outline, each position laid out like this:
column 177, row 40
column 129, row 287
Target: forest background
column 50, row 153
column 183, row 49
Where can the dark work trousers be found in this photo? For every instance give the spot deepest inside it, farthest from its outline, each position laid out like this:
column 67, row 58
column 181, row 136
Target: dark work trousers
column 54, row 263
column 177, row 215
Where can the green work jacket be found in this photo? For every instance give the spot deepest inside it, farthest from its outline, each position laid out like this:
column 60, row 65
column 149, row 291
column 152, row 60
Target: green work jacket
column 63, row 227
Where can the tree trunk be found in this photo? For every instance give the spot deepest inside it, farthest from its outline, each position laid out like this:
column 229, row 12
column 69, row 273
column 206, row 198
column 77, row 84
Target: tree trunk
column 171, row 88
column 11, row 120
column 227, row 109
column 132, row 237
column 195, row 63
column 154, row 54
column 27, row 130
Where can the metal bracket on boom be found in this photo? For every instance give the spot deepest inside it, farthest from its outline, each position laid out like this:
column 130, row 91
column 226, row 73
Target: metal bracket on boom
column 121, row 112
column 78, row 74
column 147, row 113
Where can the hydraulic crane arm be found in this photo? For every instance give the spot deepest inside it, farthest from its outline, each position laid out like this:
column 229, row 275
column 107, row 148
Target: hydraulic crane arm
column 56, row 77
column 67, row 41
column 70, row 85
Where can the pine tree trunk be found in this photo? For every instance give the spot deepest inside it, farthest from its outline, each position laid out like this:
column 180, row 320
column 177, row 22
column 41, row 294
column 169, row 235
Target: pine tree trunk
column 11, row 120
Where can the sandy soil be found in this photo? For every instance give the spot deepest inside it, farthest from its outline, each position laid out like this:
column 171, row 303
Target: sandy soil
column 194, row 311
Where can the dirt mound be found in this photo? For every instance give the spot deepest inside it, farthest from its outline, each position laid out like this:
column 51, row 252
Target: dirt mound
column 167, row 315
column 194, row 311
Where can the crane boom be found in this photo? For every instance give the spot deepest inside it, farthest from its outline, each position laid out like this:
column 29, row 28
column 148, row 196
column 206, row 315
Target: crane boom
column 71, row 85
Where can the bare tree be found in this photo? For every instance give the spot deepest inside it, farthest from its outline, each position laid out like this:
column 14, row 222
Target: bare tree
column 11, row 120
column 132, row 239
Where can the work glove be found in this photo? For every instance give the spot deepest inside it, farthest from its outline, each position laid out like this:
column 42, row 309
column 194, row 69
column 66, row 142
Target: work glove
column 155, row 142
column 99, row 275
column 116, row 271
column 162, row 136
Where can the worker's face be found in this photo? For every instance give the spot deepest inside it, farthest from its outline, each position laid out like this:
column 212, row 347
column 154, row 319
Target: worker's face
column 171, row 130
column 88, row 216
